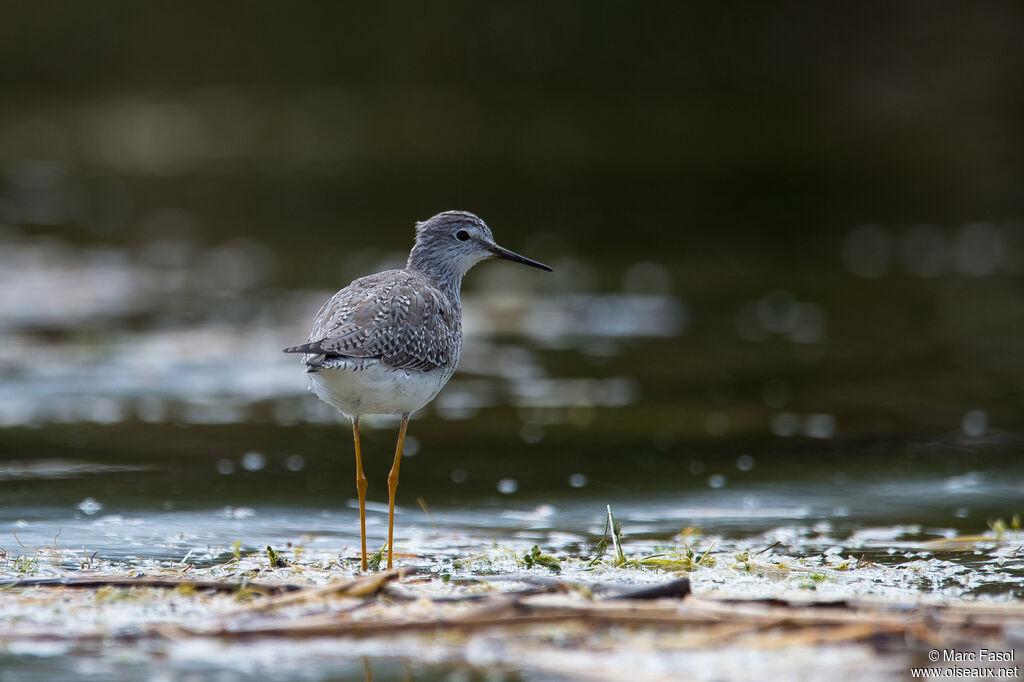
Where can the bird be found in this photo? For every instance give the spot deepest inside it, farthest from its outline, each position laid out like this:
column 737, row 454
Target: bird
column 389, row 342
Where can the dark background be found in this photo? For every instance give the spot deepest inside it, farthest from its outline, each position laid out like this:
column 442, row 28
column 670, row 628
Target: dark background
column 621, row 127
column 867, row 159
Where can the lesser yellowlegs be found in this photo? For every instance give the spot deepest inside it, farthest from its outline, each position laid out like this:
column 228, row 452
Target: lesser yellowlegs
column 388, row 343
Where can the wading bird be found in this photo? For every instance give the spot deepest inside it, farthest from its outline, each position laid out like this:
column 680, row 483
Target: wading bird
column 388, row 343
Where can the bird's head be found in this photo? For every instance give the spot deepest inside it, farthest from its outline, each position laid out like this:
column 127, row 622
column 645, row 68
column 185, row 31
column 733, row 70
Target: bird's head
column 455, row 241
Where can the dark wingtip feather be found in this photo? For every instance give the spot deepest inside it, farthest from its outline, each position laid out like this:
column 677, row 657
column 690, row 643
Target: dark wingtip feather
column 304, row 348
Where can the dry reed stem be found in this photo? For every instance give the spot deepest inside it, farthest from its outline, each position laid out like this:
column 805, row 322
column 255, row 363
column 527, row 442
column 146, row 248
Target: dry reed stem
column 165, row 583
column 353, row 587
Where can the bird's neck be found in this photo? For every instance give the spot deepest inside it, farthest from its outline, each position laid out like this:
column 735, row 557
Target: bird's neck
column 447, row 277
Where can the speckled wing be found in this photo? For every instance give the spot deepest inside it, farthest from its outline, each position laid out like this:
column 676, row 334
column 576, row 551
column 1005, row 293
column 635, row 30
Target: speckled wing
column 397, row 317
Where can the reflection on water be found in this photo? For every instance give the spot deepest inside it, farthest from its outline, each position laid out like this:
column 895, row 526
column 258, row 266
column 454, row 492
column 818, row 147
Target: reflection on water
column 78, row 352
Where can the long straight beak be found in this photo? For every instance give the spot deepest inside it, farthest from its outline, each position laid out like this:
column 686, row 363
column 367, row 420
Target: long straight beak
column 505, row 254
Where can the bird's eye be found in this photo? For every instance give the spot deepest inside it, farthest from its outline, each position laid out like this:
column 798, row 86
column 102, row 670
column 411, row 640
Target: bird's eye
column 462, row 235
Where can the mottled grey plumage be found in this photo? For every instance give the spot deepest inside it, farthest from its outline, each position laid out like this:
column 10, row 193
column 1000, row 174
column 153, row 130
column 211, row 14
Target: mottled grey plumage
column 399, row 317
column 387, row 343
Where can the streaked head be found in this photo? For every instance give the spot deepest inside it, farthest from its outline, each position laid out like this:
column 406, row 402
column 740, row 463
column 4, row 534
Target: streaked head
column 455, row 241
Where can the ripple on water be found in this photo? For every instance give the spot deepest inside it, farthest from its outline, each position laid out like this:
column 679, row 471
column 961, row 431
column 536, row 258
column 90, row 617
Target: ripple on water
column 41, row 469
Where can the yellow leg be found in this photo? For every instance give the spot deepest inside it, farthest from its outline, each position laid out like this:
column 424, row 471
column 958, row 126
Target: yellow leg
column 360, row 487
column 393, row 486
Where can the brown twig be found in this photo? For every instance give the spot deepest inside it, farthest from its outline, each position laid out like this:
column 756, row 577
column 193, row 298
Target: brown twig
column 354, row 587
column 166, row 583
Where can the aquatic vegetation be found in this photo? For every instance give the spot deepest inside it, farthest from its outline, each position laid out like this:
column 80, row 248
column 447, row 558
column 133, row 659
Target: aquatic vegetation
column 615, row 526
column 1000, row 533
column 686, row 560
column 276, row 560
column 374, row 560
column 1001, row 527
column 535, row 558
column 24, row 564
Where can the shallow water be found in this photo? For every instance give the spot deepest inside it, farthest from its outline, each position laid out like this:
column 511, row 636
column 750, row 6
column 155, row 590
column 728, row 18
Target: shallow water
column 456, row 495
column 149, row 424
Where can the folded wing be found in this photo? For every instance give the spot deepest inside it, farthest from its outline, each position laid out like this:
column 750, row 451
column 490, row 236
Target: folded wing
column 403, row 322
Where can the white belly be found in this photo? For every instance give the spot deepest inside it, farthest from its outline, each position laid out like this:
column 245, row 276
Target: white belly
column 371, row 388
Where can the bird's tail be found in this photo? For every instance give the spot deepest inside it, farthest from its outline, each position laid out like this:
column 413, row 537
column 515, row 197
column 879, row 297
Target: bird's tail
column 304, row 348
column 315, row 355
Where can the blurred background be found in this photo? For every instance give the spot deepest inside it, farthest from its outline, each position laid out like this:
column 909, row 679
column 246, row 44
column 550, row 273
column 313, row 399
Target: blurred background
column 788, row 243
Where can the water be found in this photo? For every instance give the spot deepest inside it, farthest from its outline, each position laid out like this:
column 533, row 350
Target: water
column 151, row 422
column 138, row 506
